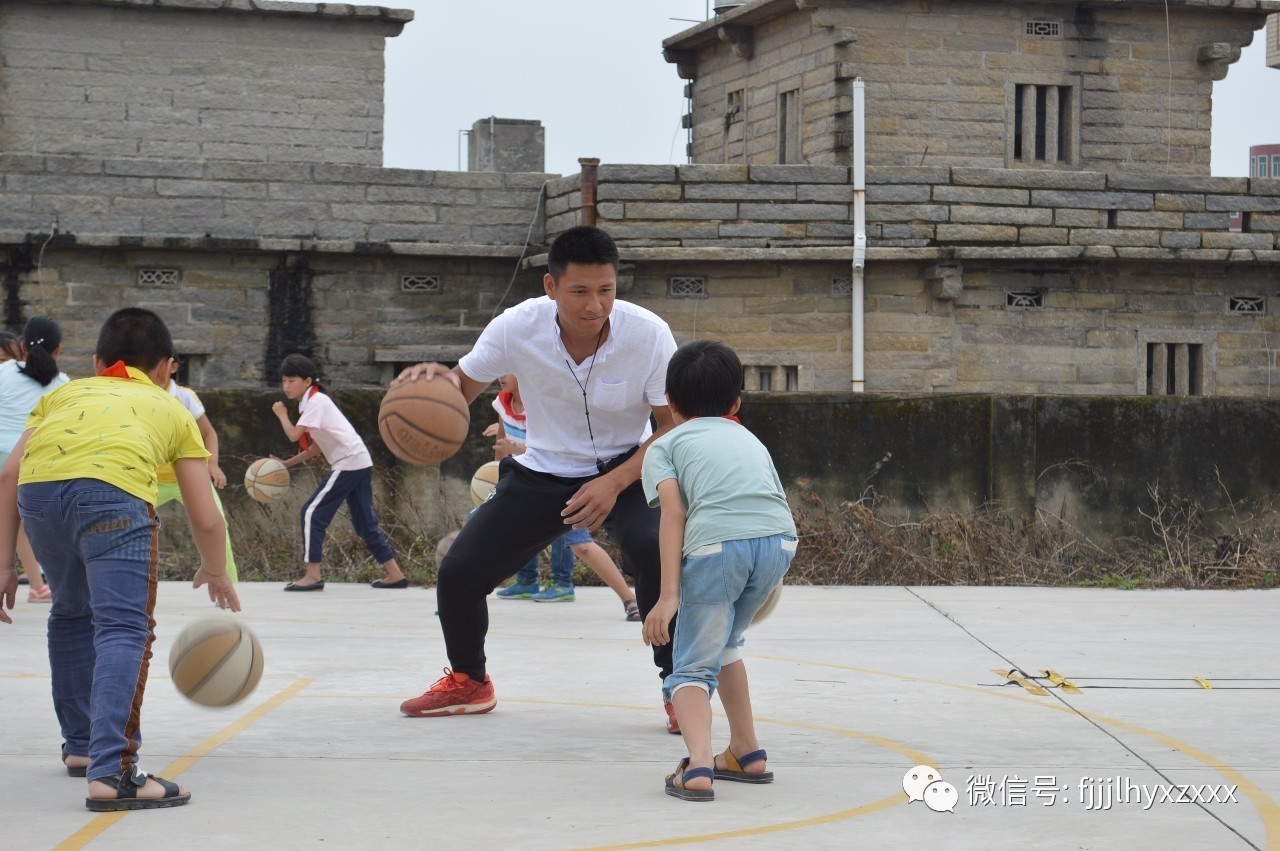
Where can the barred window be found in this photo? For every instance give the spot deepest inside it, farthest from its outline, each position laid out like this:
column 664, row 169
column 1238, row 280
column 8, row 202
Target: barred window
column 1175, row 369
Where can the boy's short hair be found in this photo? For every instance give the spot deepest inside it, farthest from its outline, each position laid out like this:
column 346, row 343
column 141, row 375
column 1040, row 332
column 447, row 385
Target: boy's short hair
column 136, row 336
column 704, row 379
column 586, row 245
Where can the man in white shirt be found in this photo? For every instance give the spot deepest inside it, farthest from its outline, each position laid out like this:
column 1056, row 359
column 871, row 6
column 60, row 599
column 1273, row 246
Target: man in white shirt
column 591, row 370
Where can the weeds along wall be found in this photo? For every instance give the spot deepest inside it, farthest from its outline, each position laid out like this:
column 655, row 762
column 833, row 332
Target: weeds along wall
column 1100, row 466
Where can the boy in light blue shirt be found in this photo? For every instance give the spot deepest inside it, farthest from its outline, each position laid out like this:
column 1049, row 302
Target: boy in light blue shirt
column 726, row 540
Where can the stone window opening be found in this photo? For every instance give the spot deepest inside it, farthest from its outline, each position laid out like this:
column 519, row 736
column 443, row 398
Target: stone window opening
column 767, row 377
column 789, row 128
column 1175, row 369
column 150, row 277
column 1043, row 127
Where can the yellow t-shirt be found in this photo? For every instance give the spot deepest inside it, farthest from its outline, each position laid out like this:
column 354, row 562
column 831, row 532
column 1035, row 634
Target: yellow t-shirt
column 192, row 403
column 111, row 429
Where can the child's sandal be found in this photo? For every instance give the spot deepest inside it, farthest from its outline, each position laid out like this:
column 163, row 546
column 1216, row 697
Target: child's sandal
column 632, row 610
column 127, row 786
column 675, row 783
column 733, row 768
column 43, row 594
column 74, row 770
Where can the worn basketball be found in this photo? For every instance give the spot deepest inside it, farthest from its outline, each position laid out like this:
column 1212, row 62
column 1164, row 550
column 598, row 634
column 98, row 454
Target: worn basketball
column 484, row 481
column 424, row 422
column 766, row 608
column 266, row 479
column 216, row 661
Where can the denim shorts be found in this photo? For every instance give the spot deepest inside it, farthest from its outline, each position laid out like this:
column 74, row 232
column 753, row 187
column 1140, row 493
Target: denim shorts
column 722, row 586
column 573, row 537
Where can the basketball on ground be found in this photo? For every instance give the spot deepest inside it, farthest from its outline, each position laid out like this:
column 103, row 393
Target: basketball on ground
column 424, row 421
column 484, row 481
column 266, row 479
column 216, row 661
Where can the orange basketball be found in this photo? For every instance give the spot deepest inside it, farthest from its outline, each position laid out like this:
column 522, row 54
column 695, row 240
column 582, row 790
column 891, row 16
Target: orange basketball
column 424, row 422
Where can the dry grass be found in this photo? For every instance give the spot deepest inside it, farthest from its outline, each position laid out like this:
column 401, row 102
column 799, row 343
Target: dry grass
column 849, row 543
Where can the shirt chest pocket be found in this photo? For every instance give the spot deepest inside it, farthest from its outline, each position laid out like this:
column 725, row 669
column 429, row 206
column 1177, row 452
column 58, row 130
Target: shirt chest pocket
column 610, row 394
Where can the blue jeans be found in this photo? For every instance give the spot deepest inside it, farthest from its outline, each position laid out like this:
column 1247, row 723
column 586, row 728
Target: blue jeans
column 722, row 586
column 562, row 559
column 97, row 545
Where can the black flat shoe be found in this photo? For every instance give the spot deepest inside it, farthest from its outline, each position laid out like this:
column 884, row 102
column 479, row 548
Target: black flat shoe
column 314, row 586
column 402, row 582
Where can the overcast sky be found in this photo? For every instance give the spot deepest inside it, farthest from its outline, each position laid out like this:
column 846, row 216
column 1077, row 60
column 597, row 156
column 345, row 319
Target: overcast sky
column 592, row 72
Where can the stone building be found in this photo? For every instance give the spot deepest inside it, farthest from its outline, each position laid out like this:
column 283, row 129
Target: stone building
column 1039, row 212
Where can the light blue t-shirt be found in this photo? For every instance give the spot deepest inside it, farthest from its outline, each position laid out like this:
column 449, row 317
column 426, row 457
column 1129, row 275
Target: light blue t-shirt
column 727, row 480
column 18, row 395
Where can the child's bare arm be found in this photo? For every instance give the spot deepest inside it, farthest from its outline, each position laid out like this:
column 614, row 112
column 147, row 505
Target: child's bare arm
column 671, row 550
column 291, row 431
column 209, row 530
column 210, row 437
column 9, row 526
column 302, row 457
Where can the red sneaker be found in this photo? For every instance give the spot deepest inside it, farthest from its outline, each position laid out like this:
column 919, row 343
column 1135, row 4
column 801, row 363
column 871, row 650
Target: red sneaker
column 673, row 726
column 453, row 694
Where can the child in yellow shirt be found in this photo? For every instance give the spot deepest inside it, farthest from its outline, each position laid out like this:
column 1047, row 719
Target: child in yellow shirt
column 83, row 479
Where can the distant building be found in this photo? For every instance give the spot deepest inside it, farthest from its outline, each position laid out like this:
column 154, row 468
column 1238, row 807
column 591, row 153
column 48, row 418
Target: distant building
column 1264, row 161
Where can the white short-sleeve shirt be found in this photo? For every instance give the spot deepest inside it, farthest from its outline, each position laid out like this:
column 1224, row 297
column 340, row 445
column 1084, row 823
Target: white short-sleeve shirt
column 333, row 433
column 624, row 381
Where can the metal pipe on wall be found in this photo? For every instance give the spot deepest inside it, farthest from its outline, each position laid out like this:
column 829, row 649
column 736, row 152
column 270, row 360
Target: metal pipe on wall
column 858, row 343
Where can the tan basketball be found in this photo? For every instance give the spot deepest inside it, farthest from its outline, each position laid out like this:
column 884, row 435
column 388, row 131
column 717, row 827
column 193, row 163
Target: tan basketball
column 424, row 422
column 266, row 479
column 770, row 603
column 216, row 661
column 484, row 481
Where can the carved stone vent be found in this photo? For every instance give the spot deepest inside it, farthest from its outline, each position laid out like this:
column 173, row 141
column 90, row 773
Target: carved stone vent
column 1247, row 305
column 420, row 283
column 680, row 286
column 159, row 277
column 1024, row 299
column 1043, row 29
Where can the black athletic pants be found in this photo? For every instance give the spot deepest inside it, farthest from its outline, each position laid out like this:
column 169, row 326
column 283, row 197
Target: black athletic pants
column 519, row 520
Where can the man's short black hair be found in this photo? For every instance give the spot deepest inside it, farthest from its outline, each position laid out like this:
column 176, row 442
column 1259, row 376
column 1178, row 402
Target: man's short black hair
column 704, row 379
column 584, row 244
column 136, row 336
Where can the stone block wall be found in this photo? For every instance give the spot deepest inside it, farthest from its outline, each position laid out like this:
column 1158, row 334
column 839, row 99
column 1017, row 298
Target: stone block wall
column 941, row 80
column 366, row 325
column 262, row 81
column 1113, row 263
column 335, row 207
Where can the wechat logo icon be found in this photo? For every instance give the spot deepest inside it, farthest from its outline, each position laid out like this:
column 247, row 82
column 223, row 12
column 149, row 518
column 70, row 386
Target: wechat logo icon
column 925, row 783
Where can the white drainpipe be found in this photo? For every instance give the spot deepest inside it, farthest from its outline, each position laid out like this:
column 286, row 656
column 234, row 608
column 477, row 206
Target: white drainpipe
column 859, row 233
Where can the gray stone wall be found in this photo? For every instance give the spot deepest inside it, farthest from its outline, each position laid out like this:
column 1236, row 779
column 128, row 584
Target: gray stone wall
column 268, row 82
column 366, row 323
column 941, row 79
column 285, row 206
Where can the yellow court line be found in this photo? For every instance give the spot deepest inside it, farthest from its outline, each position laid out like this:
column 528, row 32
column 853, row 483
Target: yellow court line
column 913, row 756
column 99, row 824
column 1268, row 810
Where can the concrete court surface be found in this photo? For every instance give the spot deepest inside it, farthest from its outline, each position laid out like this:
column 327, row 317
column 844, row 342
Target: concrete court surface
column 853, row 687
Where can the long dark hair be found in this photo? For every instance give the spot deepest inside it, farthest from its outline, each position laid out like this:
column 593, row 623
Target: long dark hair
column 42, row 336
column 301, row 366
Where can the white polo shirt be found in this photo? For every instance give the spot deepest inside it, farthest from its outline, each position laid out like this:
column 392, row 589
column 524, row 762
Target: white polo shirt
column 627, row 380
column 333, row 433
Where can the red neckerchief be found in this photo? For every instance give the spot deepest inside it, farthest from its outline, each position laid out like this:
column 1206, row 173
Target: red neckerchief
column 117, row 370
column 505, row 398
column 305, row 440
